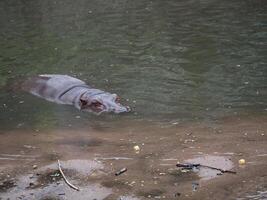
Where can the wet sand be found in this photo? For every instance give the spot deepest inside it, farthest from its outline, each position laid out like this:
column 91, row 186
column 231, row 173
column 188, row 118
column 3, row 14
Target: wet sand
column 91, row 157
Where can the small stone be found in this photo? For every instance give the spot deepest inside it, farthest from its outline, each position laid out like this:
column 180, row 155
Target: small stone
column 34, row 166
column 177, row 194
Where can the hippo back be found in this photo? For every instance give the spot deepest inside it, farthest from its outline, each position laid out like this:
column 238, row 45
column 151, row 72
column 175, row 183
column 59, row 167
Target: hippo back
column 50, row 87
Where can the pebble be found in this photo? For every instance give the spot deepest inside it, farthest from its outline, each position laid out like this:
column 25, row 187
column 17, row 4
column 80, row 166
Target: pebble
column 177, row 194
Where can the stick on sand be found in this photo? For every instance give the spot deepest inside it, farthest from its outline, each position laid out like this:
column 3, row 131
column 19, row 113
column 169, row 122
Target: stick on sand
column 191, row 166
column 65, row 179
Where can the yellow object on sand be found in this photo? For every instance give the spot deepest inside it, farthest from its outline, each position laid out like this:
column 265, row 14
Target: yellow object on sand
column 136, row 148
column 241, row 161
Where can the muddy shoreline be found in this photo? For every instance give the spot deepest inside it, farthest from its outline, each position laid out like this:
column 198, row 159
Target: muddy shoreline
column 90, row 158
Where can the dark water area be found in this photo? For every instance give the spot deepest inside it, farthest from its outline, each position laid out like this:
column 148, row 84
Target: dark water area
column 172, row 60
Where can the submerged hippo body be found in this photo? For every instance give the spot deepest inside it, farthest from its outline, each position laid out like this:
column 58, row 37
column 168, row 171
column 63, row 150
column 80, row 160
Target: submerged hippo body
column 64, row 89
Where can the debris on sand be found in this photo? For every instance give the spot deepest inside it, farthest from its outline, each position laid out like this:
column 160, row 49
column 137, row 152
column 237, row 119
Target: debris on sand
column 195, row 186
column 242, row 162
column 121, row 171
column 191, row 166
column 65, row 179
column 137, row 149
column 177, row 194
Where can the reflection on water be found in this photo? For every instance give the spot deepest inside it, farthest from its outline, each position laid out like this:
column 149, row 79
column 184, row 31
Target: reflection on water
column 174, row 60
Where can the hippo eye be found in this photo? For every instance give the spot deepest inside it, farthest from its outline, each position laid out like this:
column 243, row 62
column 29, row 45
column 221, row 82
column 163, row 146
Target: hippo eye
column 83, row 102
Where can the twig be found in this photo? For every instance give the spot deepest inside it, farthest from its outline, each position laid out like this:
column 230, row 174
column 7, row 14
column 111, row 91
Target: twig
column 187, row 165
column 221, row 170
column 191, row 166
column 65, row 179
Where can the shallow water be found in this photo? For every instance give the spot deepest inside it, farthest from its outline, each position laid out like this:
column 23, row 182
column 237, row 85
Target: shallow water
column 182, row 66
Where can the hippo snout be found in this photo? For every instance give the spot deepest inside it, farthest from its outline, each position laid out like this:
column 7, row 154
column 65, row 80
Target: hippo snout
column 121, row 109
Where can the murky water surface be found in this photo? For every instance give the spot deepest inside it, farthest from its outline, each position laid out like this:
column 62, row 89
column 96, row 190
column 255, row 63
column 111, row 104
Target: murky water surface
column 194, row 73
column 173, row 60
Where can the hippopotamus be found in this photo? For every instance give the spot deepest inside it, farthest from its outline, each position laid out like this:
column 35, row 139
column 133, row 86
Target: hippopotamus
column 64, row 89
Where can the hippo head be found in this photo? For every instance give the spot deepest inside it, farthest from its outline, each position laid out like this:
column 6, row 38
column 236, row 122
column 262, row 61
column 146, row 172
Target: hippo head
column 101, row 102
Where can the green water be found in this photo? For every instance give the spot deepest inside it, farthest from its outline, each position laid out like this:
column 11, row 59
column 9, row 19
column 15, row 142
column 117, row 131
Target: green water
column 173, row 60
